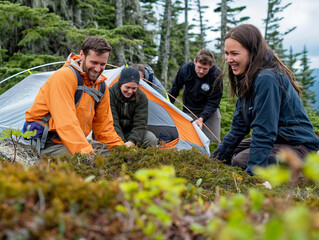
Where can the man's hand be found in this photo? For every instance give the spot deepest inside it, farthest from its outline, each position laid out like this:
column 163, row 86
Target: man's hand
column 129, row 144
column 199, row 122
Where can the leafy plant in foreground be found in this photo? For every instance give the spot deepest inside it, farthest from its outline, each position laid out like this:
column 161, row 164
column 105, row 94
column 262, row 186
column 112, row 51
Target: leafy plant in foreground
column 279, row 174
column 15, row 136
column 156, row 194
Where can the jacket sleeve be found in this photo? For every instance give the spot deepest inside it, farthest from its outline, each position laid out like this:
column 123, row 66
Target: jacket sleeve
column 267, row 101
column 214, row 98
column 237, row 132
column 60, row 102
column 103, row 122
column 177, row 85
column 139, row 121
column 159, row 87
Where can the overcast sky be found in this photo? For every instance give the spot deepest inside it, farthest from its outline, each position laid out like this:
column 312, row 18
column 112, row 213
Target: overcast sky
column 304, row 14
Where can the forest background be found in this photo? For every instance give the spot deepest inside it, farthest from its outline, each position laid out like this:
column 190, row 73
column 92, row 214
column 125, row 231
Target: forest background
column 126, row 196
column 161, row 33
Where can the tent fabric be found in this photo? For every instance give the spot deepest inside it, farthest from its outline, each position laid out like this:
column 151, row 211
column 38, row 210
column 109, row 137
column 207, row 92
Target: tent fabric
column 165, row 120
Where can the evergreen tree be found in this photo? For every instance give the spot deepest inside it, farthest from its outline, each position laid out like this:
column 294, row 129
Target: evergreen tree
column 82, row 13
column 291, row 61
column 193, row 36
column 120, row 58
column 149, row 23
column 306, row 80
column 36, row 32
column 165, row 42
column 133, row 14
column 228, row 20
column 186, row 45
column 202, row 26
column 273, row 37
column 28, row 30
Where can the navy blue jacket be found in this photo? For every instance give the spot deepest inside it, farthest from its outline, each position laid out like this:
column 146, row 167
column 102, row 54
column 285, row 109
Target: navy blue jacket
column 275, row 113
column 201, row 95
column 157, row 85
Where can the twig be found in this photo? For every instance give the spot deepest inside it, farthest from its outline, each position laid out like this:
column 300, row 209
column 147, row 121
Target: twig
column 235, row 182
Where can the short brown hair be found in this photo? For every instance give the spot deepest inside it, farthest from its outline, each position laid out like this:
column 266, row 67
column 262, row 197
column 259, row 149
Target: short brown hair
column 140, row 68
column 97, row 44
column 205, row 57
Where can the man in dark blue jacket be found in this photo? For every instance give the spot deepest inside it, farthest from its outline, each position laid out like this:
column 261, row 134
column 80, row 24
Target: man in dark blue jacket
column 202, row 93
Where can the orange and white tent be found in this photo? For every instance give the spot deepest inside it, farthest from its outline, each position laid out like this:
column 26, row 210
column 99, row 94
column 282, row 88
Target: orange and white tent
column 165, row 120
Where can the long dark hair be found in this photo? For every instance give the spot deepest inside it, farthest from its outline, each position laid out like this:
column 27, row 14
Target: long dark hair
column 261, row 57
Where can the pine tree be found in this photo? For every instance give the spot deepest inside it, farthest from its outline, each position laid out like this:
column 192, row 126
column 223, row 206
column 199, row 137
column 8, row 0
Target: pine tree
column 306, row 80
column 119, row 50
column 202, row 26
column 228, row 20
column 273, row 37
column 142, row 14
column 186, row 45
column 165, row 42
column 292, row 60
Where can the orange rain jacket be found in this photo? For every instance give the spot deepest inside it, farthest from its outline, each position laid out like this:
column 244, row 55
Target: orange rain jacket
column 74, row 124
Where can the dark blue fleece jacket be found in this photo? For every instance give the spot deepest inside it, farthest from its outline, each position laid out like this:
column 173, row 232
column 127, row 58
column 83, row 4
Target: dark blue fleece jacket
column 275, row 113
column 201, row 95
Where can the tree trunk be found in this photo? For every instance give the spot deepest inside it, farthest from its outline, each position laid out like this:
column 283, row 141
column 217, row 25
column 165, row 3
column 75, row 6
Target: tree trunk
column 165, row 48
column 119, row 50
column 269, row 10
column 223, row 27
column 186, row 50
column 201, row 25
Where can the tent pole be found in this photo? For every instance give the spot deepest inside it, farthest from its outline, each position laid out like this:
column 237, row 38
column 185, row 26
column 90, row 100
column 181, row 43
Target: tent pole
column 28, row 70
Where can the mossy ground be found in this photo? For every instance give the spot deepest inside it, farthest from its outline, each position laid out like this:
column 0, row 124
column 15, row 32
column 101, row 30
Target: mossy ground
column 189, row 164
column 73, row 197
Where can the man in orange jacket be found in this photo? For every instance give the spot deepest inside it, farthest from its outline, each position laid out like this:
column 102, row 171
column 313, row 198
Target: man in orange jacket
column 69, row 125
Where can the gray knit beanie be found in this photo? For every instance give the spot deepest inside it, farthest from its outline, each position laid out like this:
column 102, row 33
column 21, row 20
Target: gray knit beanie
column 129, row 74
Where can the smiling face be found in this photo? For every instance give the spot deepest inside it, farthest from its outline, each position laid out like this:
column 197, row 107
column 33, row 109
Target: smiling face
column 93, row 64
column 201, row 69
column 237, row 56
column 128, row 89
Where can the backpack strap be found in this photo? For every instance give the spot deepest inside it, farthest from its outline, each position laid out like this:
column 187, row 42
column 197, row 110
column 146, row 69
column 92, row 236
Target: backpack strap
column 96, row 94
column 44, row 137
column 102, row 88
column 79, row 92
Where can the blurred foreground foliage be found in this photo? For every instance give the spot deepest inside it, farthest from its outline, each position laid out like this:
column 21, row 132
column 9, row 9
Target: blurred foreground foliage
column 154, row 194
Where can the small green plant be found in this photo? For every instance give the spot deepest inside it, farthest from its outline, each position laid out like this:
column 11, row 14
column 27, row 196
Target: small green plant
column 15, row 136
column 154, row 198
column 292, row 167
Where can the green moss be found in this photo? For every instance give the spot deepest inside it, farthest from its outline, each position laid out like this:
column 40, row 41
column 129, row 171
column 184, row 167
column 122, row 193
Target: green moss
column 73, row 197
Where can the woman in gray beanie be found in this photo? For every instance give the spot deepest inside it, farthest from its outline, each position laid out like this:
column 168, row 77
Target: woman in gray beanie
column 130, row 110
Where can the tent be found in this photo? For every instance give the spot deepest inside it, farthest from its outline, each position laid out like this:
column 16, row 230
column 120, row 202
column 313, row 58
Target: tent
column 165, row 120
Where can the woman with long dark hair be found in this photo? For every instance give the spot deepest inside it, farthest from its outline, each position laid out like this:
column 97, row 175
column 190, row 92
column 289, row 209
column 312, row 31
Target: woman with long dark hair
column 268, row 103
